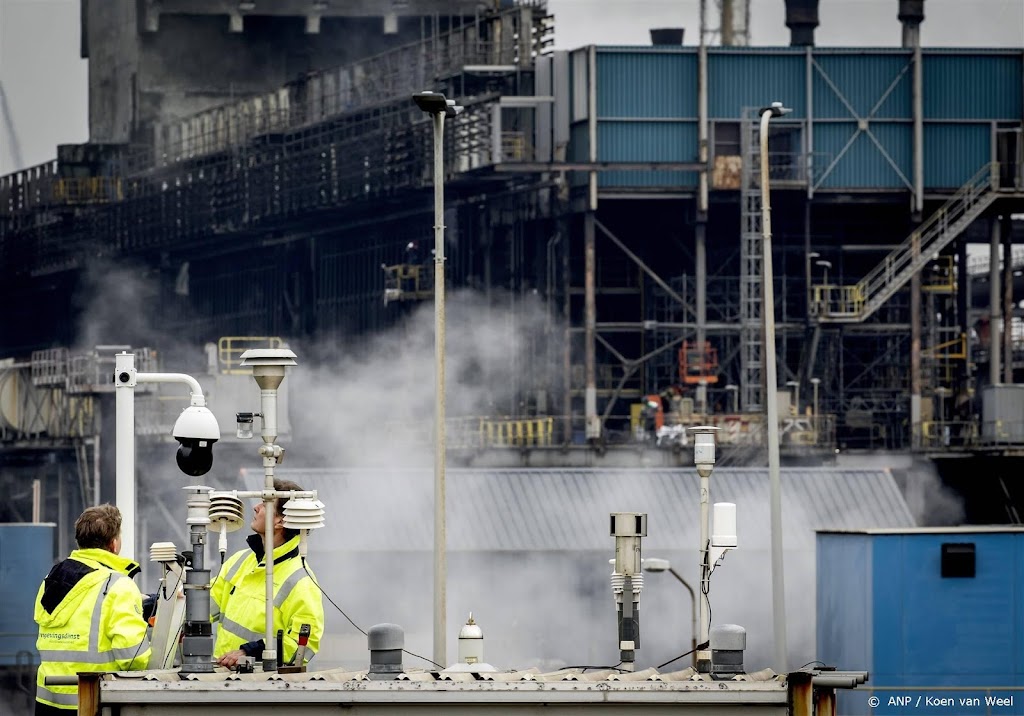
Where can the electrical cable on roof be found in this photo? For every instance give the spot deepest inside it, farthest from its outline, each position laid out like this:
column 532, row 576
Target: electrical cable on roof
column 358, row 628
column 696, row 648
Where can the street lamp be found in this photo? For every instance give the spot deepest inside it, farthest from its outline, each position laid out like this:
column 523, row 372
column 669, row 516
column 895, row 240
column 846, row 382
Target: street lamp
column 815, row 382
column 825, row 266
column 942, row 391
column 794, row 389
column 771, row 398
column 438, row 107
column 735, row 390
column 653, row 564
column 808, row 282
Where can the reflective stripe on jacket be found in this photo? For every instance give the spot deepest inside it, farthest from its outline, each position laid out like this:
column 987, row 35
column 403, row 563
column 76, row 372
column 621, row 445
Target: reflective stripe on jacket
column 89, row 613
column 239, row 595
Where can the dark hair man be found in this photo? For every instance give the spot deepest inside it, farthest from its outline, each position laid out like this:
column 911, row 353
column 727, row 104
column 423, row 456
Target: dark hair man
column 89, row 612
column 239, row 593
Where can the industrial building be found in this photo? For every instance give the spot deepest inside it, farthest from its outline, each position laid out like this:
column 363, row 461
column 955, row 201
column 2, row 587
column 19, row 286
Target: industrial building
column 256, row 176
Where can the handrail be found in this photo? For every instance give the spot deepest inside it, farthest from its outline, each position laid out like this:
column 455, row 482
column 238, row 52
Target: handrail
column 925, row 235
column 886, row 278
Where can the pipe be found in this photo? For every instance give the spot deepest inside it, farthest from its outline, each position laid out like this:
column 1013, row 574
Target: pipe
column 1007, row 298
column 593, row 426
column 911, row 14
column 593, row 422
column 995, row 325
column 700, row 230
column 772, row 409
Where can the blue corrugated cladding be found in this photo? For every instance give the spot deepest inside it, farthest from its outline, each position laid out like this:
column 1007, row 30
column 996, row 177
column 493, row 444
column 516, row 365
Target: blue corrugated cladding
column 751, row 78
column 919, row 621
column 850, row 85
column 954, row 152
column 26, row 554
column 978, row 85
column 646, row 103
column 852, row 158
column 646, row 83
column 664, row 141
column 647, row 111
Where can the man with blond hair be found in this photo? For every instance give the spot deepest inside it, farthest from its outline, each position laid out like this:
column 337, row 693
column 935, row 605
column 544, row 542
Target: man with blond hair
column 89, row 612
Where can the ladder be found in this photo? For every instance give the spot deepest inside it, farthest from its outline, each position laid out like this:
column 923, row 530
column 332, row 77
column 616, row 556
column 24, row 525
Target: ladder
column 853, row 304
column 751, row 266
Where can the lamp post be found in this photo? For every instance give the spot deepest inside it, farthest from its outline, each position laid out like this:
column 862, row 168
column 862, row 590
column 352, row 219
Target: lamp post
column 771, row 398
column 942, row 391
column 653, row 564
column 826, row 289
column 438, row 107
column 815, row 382
column 794, row 389
column 811, row 255
column 735, row 390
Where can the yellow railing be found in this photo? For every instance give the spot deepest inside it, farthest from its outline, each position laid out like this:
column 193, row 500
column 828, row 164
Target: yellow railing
column 511, row 432
column 231, row 348
column 833, row 300
column 87, row 190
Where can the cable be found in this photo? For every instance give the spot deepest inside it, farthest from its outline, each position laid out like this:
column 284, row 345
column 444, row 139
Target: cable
column 612, row 668
column 357, row 627
column 696, row 648
column 174, row 589
column 705, row 587
column 313, row 579
column 811, row 662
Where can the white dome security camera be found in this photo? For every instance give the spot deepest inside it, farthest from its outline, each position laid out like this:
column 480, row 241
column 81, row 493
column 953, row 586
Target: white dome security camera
column 196, row 430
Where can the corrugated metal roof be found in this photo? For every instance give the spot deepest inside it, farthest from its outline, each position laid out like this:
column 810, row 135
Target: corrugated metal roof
column 741, row 682
column 567, row 509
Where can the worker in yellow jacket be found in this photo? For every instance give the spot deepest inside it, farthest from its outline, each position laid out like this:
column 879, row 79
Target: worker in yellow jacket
column 239, row 594
column 89, row 612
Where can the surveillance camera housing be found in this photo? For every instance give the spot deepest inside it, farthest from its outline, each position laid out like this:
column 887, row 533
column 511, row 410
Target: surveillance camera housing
column 196, row 430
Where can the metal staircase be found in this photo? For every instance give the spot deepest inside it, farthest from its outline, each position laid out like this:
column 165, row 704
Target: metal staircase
column 853, row 304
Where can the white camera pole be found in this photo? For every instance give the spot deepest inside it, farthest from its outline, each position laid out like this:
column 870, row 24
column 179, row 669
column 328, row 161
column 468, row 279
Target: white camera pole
column 125, row 380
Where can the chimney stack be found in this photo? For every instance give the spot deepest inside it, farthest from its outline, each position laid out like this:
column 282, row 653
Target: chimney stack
column 801, row 19
column 911, row 14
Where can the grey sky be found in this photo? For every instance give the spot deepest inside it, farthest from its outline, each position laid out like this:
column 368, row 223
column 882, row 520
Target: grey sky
column 46, row 82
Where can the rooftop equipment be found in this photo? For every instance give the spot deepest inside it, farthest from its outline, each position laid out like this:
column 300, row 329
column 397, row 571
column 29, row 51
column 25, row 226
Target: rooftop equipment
column 385, row 642
column 628, row 528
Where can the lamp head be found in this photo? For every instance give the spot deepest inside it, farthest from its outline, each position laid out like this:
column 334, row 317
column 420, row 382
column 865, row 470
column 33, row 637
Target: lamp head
column 776, row 109
column 655, row 564
column 704, row 449
column 436, row 103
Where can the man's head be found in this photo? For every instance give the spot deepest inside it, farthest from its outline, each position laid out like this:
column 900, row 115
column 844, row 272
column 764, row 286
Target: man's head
column 258, row 518
column 99, row 528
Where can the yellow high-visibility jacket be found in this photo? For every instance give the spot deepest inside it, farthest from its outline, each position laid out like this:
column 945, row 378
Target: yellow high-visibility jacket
column 239, row 596
column 89, row 613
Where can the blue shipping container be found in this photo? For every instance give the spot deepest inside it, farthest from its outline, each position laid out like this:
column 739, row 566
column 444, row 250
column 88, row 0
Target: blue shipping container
column 934, row 616
column 26, row 555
